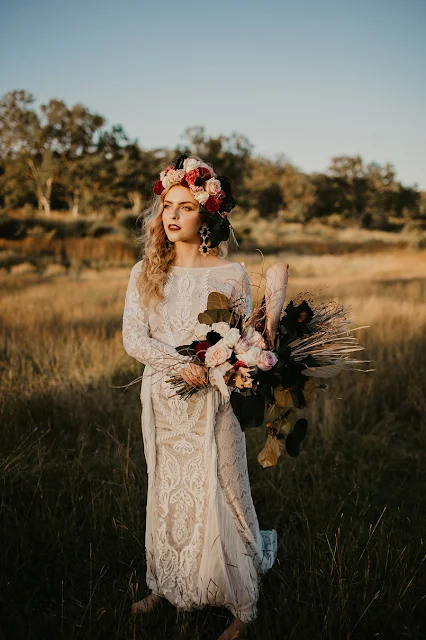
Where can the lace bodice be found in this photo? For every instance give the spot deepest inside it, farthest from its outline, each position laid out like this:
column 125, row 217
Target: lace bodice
column 151, row 336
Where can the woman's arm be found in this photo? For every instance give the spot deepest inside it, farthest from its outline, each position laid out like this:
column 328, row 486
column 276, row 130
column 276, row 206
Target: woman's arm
column 136, row 339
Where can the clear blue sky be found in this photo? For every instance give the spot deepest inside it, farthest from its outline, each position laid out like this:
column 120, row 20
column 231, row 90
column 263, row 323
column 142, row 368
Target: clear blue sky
column 308, row 78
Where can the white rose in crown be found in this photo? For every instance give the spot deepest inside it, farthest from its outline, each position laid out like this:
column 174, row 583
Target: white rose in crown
column 202, row 196
column 201, row 330
column 221, row 327
column 191, row 163
column 231, row 337
column 217, row 354
column 165, row 181
column 212, row 186
column 250, row 357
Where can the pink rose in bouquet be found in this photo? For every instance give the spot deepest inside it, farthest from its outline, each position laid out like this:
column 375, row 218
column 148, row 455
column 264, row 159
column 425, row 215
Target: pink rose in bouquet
column 266, row 360
column 217, row 354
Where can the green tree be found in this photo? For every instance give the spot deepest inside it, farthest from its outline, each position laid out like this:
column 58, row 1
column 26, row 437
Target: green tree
column 298, row 193
column 74, row 132
column 24, row 137
column 351, row 186
column 137, row 170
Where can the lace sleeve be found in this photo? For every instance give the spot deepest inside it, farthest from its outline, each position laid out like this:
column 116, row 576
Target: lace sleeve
column 136, row 339
column 242, row 298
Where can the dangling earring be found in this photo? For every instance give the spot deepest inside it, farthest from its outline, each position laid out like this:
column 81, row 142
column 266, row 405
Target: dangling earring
column 204, row 248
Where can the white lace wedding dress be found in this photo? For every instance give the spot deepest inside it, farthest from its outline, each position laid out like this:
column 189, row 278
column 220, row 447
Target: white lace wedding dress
column 203, row 542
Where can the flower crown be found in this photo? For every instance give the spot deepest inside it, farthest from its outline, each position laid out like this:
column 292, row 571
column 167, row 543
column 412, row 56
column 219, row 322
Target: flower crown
column 211, row 191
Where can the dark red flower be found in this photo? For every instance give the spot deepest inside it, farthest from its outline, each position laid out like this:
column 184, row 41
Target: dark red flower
column 183, row 182
column 239, row 364
column 211, row 204
column 204, row 173
column 200, row 350
column 158, row 187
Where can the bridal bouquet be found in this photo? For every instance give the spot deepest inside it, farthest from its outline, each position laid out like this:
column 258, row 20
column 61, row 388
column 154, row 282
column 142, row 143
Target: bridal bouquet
column 267, row 364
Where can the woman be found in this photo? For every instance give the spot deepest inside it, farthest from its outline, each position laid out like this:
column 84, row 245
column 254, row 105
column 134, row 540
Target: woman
column 203, row 543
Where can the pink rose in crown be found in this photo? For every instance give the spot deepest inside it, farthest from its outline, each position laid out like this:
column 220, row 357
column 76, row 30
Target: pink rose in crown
column 180, row 174
column 217, row 354
column 175, row 176
column 266, row 360
column 172, row 176
column 212, row 186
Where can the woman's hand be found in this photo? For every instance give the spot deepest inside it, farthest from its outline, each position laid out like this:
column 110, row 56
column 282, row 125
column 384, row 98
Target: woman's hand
column 194, row 374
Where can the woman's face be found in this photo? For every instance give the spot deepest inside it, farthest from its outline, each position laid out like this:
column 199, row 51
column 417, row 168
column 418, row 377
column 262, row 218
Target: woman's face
column 182, row 210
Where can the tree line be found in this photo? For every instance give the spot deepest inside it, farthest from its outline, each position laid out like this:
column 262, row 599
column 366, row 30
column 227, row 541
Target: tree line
column 67, row 158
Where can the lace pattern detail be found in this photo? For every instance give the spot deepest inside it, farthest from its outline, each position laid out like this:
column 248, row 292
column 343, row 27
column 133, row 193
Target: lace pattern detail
column 183, row 322
column 136, row 334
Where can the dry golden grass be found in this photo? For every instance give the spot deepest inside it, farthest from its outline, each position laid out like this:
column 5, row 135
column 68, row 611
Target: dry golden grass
column 350, row 511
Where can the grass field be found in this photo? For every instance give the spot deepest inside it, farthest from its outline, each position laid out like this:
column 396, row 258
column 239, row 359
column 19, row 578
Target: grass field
column 350, row 510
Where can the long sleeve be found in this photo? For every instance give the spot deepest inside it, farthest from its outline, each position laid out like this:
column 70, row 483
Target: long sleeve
column 241, row 297
column 136, row 334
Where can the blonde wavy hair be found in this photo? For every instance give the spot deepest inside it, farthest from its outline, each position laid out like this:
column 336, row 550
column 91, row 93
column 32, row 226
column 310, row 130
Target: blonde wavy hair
column 157, row 253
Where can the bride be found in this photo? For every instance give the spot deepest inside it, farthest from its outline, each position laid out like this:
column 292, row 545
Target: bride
column 202, row 539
